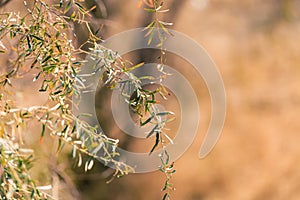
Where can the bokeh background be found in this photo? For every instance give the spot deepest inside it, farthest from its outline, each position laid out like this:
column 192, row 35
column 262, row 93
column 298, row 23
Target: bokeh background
column 255, row 45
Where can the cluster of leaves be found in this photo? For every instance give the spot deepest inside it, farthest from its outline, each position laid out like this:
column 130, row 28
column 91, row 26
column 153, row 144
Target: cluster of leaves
column 15, row 181
column 159, row 27
column 156, row 24
column 119, row 76
column 167, row 169
column 42, row 42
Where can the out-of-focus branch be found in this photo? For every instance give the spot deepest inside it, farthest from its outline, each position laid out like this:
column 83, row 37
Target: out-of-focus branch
column 59, row 176
column 4, row 2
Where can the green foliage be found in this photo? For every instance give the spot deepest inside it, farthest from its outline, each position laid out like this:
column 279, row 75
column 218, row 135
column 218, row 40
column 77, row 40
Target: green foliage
column 156, row 7
column 15, row 181
column 45, row 44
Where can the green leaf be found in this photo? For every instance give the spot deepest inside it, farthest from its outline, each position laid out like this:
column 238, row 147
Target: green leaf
column 165, row 187
column 36, row 37
column 44, row 87
column 57, row 34
column 58, row 47
column 165, row 113
column 81, row 8
column 67, row 6
column 37, row 76
column 156, row 143
column 150, row 10
column 165, row 196
column 49, row 68
column 152, row 24
column 150, row 38
column 65, row 129
column 10, row 73
column 43, row 130
column 32, row 194
column 46, row 59
column 84, row 115
column 135, row 66
column 164, row 28
column 29, row 43
column 146, row 122
column 146, row 77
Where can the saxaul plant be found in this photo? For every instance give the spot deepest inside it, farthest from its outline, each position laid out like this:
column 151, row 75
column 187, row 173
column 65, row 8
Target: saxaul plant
column 43, row 42
column 156, row 25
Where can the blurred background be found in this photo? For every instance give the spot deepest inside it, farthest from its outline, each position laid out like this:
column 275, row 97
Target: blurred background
column 255, row 45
